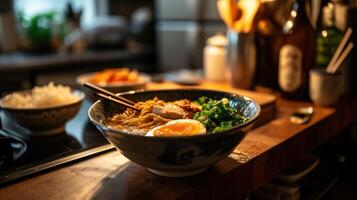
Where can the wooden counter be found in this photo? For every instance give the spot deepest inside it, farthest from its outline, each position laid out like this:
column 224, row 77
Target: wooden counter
column 263, row 154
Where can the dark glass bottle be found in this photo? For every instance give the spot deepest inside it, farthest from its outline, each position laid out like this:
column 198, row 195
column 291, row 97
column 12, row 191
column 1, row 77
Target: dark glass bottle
column 296, row 53
column 269, row 29
column 328, row 37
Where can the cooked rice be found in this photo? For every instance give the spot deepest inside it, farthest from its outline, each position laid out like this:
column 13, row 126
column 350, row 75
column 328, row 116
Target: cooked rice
column 40, row 97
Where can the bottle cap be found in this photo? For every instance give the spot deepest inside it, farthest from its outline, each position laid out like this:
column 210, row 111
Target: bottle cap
column 219, row 40
column 328, row 15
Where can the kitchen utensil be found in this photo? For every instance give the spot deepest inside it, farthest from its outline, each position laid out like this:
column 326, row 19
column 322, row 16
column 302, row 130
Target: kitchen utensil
column 302, row 115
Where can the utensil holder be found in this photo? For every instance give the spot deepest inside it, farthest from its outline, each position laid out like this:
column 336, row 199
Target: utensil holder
column 325, row 88
column 241, row 59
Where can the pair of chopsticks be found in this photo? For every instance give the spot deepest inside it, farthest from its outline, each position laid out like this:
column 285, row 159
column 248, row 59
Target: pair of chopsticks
column 341, row 53
column 105, row 94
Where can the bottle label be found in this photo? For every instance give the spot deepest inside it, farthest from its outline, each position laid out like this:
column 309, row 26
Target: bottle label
column 290, row 68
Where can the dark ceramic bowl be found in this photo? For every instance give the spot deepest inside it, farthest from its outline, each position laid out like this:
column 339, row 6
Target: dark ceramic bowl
column 175, row 156
column 44, row 121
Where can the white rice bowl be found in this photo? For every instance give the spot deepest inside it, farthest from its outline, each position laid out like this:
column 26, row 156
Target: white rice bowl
column 50, row 95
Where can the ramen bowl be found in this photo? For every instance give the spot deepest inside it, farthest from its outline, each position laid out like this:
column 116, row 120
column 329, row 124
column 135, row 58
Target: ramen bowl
column 175, row 156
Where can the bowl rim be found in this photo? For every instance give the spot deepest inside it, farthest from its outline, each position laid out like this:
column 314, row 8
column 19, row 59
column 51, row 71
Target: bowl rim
column 242, row 125
column 146, row 79
column 81, row 95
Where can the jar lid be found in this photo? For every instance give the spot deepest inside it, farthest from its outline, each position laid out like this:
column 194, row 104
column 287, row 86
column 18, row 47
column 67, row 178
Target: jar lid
column 217, row 40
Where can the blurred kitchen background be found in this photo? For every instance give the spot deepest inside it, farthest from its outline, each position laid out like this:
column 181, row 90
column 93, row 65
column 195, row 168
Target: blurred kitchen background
column 43, row 40
column 57, row 40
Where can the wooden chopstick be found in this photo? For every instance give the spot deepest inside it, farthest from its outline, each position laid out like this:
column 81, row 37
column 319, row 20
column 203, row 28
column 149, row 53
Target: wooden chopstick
column 108, row 93
column 339, row 49
column 110, row 98
column 342, row 57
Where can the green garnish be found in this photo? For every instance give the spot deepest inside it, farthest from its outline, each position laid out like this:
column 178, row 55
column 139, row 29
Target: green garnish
column 217, row 115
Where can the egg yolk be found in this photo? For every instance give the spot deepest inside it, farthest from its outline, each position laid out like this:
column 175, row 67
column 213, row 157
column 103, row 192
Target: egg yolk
column 179, row 129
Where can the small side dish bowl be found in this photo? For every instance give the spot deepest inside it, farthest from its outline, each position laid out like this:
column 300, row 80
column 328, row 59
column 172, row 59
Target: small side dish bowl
column 43, row 121
column 143, row 79
column 175, row 156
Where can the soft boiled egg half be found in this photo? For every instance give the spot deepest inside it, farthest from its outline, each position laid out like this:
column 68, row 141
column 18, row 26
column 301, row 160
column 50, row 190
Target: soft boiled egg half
column 180, row 127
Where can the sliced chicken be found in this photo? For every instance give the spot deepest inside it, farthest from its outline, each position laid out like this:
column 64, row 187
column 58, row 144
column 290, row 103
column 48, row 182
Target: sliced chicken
column 170, row 111
column 182, row 109
column 188, row 106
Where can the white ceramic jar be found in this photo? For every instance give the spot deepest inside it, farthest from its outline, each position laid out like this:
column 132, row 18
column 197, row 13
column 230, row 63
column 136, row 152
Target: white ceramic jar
column 214, row 55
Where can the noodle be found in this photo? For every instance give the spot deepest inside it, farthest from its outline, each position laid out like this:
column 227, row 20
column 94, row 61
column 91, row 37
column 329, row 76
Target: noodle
column 139, row 122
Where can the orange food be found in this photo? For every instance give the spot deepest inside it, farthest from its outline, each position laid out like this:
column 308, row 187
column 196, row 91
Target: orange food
column 179, row 127
column 120, row 75
column 177, row 130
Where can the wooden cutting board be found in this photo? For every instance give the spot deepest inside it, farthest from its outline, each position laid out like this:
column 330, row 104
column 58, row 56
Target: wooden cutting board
column 267, row 102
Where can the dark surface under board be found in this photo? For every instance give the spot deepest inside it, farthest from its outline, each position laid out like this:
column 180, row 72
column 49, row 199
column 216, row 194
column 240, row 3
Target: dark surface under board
column 34, row 154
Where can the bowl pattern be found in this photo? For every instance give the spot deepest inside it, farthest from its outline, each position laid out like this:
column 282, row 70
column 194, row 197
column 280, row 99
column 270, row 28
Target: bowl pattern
column 175, row 156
